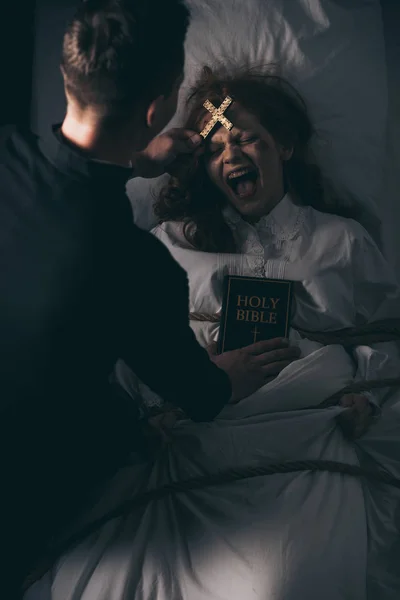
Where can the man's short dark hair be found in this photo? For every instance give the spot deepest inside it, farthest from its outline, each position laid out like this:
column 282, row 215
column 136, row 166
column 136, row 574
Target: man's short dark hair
column 120, row 53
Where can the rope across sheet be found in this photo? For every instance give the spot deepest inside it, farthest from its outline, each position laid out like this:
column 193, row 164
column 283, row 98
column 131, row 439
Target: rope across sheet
column 202, row 482
column 381, row 331
column 387, row 330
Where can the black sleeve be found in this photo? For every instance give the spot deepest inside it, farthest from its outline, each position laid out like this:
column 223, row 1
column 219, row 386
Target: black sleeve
column 158, row 343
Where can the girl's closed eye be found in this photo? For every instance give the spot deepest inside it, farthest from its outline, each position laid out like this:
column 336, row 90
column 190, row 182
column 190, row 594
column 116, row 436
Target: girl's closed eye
column 213, row 150
column 249, row 139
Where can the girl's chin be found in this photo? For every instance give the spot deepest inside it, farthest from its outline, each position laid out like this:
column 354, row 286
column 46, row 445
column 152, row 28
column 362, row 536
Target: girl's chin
column 251, row 208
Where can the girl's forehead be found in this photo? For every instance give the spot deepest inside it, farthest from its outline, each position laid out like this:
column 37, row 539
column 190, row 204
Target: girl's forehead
column 239, row 117
column 220, row 134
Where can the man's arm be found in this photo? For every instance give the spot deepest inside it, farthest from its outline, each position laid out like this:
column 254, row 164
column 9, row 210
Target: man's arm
column 158, row 343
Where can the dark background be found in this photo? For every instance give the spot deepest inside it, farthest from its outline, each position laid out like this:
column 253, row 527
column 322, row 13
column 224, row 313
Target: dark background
column 30, row 47
column 17, row 24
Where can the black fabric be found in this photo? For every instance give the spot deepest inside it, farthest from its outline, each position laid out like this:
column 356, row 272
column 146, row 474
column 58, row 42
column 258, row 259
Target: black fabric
column 80, row 287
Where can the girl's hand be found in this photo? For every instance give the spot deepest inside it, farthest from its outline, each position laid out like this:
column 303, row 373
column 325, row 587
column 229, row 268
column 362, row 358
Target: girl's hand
column 157, row 428
column 161, row 425
column 356, row 420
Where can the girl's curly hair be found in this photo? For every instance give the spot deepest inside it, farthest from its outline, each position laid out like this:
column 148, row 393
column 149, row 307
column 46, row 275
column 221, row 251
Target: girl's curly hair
column 193, row 199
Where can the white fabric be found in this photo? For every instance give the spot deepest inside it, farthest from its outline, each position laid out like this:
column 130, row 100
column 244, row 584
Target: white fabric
column 391, row 204
column 322, row 47
column 280, row 537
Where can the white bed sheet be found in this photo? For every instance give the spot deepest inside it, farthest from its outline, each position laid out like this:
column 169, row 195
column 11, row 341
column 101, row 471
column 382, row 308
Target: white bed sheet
column 279, row 537
column 390, row 202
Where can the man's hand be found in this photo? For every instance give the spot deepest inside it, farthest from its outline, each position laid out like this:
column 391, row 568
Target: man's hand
column 252, row 367
column 355, row 421
column 165, row 152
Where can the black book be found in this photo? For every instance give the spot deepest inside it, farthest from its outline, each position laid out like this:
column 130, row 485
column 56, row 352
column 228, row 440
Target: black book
column 254, row 309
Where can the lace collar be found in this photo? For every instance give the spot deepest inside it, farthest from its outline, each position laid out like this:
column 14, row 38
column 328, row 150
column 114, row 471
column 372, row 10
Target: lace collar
column 283, row 222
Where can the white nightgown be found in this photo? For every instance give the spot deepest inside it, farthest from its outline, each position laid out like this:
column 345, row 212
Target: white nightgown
column 341, row 278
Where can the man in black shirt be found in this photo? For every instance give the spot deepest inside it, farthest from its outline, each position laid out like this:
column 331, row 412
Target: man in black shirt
column 82, row 286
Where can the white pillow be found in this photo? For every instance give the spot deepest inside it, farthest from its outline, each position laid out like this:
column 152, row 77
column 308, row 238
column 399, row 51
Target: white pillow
column 332, row 51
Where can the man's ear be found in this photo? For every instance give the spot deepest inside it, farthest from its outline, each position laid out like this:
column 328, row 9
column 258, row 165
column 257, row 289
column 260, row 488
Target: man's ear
column 287, row 153
column 153, row 112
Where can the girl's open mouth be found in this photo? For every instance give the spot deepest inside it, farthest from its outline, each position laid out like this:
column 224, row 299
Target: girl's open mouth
column 243, row 181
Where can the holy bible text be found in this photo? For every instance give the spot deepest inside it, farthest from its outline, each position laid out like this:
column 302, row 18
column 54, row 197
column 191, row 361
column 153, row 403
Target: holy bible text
column 254, row 309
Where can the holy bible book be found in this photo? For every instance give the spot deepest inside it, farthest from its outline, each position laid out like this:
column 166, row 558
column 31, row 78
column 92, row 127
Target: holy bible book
column 254, row 309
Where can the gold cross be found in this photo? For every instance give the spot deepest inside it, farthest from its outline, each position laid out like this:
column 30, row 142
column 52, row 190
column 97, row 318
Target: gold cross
column 256, row 333
column 217, row 116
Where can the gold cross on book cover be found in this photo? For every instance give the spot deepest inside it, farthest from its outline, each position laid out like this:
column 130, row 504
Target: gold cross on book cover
column 217, row 116
column 254, row 309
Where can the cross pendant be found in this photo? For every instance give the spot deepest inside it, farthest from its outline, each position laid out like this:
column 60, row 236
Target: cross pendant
column 217, row 116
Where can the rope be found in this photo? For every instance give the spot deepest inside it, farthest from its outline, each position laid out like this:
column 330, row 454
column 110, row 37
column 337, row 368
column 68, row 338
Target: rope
column 386, row 330
column 360, row 386
column 202, row 482
column 381, row 331
column 354, row 388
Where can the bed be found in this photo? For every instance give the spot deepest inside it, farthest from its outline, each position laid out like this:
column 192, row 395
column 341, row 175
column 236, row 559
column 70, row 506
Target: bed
column 289, row 535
